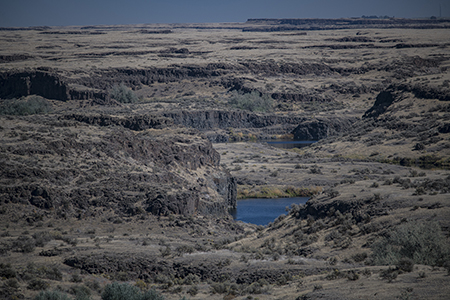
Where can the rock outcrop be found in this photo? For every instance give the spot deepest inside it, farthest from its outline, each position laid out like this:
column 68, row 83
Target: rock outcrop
column 383, row 101
column 318, row 129
column 69, row 168
column 223, row 119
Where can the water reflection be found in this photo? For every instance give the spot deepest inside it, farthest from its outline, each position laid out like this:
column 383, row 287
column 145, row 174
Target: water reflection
column 263, row 211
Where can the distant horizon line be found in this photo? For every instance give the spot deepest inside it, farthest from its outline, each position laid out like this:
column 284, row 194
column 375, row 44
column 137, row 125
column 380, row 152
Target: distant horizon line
column 42, row 27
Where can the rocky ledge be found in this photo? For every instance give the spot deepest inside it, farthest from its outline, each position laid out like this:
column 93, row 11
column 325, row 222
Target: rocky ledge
column 78, row 166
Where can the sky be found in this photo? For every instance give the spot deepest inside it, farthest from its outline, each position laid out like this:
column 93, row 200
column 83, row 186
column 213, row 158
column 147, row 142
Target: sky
column 24, row 13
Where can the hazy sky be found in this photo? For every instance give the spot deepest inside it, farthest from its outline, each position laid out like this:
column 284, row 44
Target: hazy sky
column 18, row 13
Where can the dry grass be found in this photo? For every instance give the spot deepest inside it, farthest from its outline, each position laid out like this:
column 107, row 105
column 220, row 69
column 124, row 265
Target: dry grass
column 327, row 252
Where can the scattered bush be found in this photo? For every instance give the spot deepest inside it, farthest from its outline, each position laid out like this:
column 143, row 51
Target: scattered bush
column 6, row 271
column 317, row 287
column 38, row 284
column 93, row 285
column 335, row 274
column 405, row 265
column 23, row 107
column 360, row 257
column 315, row 170
column 352, row 275
column 76, row 278
column 125, row 291
column 81, row 292
column 42, row 238
column 166, row 251
column 253, row 101
column 191, row 279
column 389, row 274
column 447, row 266
column 332, row 193
column 40, row 271
column 52, row 273
column 52, row 295
column 24, row 244
column 421, row 243
column 224, row 288
column 123, row 94
column 367, row 272
column 193, row 290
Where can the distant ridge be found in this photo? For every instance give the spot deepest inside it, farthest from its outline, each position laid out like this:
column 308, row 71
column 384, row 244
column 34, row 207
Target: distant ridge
column 346, row 23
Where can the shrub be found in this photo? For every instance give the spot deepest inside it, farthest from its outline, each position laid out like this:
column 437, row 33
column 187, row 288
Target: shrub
column 422, row 243
column 123, row 94
column 193, row 290
column 191, row 279
column 253, row 101
column 22, row 107
column 389, row 274
column 224, row 288
column 51, row 295
column 24, row 244
column 352, row 275
column 53, row 273
column 7, row 271
column 76, row 278
column 38, row 284
column 359, row 257
column 332, row 193
column 405, row 265
column 117, row 291
column 42, row 238
column 81, row 292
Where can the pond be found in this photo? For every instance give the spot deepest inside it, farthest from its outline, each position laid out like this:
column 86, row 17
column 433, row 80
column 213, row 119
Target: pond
column 289, row 144
column 263, row 211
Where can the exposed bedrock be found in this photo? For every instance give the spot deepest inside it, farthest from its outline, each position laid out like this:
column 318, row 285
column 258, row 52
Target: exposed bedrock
column 137, row 123
column 52, row 84
column 114, row 171
column 302, row 127
column 321, row 128
column 49, row 85
column 17, row 84
column 223, row 119
column 383, row 101
column 94, row 85
column 208, row 268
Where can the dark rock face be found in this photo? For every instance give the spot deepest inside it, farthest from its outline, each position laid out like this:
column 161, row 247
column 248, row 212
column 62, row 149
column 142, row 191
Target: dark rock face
column 137, row 123
column 223, row 119
column 13, row 85
column 383, row 101
column 43, row 83
column 52, row 84
column 98, row 169
column 321, row 128
column 426, row 92
column 209, row 268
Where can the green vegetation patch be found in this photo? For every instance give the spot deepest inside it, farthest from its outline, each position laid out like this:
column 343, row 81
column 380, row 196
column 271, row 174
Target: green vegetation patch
column 23, row 107
column 123, row 94
column 424, row 162
column 125, row 291
column 277, row 192
column 422, row 243
column 253, row 101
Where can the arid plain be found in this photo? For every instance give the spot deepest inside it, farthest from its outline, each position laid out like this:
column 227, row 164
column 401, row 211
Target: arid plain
column 97, row 190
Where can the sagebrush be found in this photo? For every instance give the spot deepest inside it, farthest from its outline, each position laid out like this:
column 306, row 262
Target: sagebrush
column 253, row 101
column 123, row 94
column 422, row 243
column 125, row 291
column 23, row 107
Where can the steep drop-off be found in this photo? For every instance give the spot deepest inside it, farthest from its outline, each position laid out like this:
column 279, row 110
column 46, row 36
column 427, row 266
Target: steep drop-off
column 69, row 168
